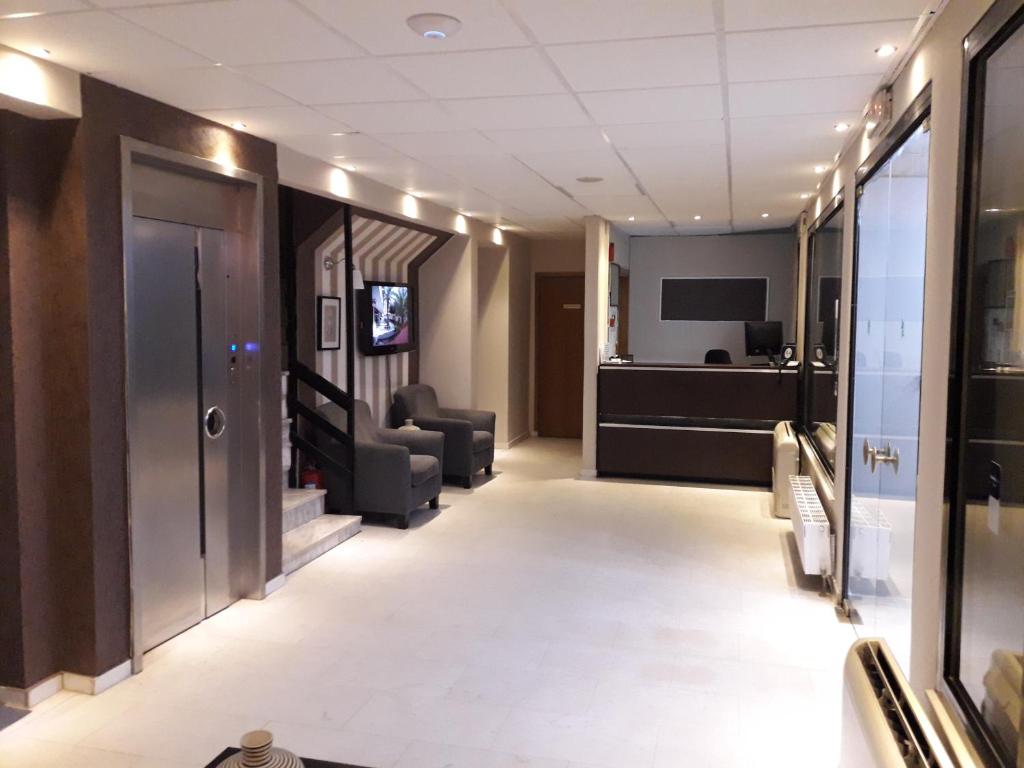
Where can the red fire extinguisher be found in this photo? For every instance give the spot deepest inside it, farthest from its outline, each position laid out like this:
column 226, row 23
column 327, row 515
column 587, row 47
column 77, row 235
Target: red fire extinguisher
column 311, row 477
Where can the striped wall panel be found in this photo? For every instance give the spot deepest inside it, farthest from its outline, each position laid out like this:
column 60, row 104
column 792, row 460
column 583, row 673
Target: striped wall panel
column 382, row 251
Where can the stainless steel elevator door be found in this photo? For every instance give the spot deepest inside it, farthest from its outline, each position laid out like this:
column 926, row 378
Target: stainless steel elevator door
column 221, row 352
column 163, row 434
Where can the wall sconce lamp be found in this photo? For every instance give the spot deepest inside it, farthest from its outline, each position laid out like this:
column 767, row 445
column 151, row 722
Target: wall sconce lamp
column 357, row 276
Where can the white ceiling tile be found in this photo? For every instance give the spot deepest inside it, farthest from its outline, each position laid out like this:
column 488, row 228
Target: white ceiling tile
column 801, row 97
column 440, row 143
column 505, row 72
column 245, row 31
column 790, row 54
column 549, row 224
column 654, row 63
column 395, row 117
column 381, row 27
column 658, row 105
column 554, row 21
column 276, row 122
column 95, row 41
column 334, row 82
column 551, row 202
column 704, row 162
column 621, row 207
column 349, row 148
column 542, row 111
column 498, row 173
column 134, row 3
column 758, row 14
column 762, row 142
column 693, row 133
column 8, row 7
column 564, row 168
column 548, row 139
column 197, row 89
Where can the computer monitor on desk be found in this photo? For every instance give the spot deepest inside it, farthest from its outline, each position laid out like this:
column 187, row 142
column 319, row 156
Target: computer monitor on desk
column 764, row 339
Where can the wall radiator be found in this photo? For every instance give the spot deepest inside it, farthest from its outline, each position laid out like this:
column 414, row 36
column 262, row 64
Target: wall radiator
column 811, row 527
column 870, row 543
column 785, row 462
column 884, row 726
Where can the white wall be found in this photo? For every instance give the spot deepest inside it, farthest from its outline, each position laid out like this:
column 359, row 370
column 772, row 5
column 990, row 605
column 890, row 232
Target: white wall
column 747, row 255
column 38, row 88
column 448, row 327
column 492, row 361
column 595, row 332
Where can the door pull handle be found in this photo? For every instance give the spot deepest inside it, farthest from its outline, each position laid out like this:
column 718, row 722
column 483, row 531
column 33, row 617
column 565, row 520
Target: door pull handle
column 215, row 423
column 875, row 456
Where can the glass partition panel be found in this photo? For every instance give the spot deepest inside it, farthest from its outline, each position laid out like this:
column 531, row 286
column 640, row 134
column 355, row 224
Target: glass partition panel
column 984, row 665
column 821, row 337
column 886, row 385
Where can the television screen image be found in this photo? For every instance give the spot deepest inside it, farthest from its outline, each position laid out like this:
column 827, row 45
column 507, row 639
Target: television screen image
column 386, row 321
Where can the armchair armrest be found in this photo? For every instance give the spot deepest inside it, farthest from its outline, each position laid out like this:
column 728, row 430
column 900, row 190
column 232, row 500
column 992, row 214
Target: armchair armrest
column 423, row 442
column 481, row 420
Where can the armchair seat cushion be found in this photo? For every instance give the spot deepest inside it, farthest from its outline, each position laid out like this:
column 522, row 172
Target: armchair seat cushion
column 482, row 441
column 424, row 469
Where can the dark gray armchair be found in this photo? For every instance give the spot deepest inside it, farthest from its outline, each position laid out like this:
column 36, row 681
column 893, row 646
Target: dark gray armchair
column 468, row 434
column 396, row 472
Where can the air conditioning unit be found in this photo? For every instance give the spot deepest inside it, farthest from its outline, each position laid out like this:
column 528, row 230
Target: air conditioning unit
column 884, row 725
column 811, row 527
column 786, row 462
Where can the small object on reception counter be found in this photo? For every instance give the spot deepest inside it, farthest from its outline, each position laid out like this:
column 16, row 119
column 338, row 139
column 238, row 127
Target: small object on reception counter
column 409, row 426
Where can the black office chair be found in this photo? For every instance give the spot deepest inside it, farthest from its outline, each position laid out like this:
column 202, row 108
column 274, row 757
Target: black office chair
column 717, row 357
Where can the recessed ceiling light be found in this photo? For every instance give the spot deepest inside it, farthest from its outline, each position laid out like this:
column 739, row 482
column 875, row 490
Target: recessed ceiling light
column 434, row 26
column 589, row 179
column 339, row 133
column 993, row 210
column 238, row 125
column 841, row 127
column 632, row 218
column 885, row 50
column 820, row 168
column 218, row 63
column 339, row 157
column 764, row 215
column 805, row 195
column 22, row 15
column 698, row 217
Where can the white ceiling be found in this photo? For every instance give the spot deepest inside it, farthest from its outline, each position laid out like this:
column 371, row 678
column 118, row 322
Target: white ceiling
column 716, row 108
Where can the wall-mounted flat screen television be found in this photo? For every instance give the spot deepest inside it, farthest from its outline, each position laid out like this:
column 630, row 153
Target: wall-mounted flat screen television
column 387, row 321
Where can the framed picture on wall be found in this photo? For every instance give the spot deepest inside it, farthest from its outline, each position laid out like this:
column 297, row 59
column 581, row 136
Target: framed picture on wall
column 328, row 322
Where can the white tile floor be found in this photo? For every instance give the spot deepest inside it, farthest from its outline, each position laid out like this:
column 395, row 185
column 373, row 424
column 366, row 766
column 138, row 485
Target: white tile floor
column 539, row 621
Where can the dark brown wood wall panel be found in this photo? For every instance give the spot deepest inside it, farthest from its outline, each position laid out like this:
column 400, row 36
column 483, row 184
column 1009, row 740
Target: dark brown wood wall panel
column 739, row 393
column 686, row 454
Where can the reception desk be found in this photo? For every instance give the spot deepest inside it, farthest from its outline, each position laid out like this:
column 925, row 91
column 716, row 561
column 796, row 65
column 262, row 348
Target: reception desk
column 702, row 423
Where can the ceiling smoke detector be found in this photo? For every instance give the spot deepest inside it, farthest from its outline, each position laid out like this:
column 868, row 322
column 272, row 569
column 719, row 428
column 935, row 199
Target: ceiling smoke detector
column 434, row 26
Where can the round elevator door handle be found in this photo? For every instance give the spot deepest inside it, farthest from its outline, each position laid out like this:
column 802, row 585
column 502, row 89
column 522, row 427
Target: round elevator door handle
column 215, row 423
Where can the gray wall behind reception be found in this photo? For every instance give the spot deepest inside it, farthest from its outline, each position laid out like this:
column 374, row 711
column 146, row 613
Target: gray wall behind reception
column 771, row 255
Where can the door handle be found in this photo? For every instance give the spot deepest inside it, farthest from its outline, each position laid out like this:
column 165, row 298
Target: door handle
column 215, row 423
column 875, row 456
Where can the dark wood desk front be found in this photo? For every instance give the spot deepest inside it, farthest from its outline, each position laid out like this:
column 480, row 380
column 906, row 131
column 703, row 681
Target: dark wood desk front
column 704, row 423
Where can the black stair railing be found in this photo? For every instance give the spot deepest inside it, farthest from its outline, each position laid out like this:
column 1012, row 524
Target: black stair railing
column 341, row 458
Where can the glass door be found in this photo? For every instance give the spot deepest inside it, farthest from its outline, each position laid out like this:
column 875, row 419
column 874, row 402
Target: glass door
column 985, row 476
column 888, row 315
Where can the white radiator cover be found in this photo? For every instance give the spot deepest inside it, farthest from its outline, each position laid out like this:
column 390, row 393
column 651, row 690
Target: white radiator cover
column 811, row 527
column 785, row 462
column 870, row 543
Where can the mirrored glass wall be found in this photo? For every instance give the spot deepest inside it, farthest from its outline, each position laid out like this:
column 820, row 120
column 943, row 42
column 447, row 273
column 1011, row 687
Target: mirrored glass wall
column 821, row 334
column 985, row 612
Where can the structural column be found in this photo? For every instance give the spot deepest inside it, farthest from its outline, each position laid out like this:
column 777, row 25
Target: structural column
column 595, row 332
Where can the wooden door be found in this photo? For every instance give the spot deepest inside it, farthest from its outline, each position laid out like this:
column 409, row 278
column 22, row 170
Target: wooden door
column 559, row 365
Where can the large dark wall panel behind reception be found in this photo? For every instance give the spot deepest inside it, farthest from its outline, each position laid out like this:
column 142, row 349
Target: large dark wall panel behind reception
column 654, row 261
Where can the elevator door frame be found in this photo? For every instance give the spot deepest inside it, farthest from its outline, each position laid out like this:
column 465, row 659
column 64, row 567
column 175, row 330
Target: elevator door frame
column 251, row 226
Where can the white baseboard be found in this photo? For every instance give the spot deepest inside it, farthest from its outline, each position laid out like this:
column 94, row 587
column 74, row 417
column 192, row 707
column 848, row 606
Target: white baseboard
column 274, row 584
column 588, row 474
column 514, row 441
column 96, row 685
column 26, row 698
column 34, row 695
